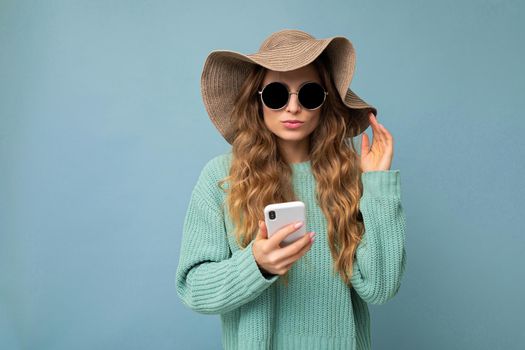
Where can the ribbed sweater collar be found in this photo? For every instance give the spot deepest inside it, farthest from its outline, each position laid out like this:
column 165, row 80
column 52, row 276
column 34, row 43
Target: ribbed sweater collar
column 301, row 167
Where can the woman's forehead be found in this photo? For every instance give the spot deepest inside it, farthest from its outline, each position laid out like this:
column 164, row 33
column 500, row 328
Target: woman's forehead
column 293, row 77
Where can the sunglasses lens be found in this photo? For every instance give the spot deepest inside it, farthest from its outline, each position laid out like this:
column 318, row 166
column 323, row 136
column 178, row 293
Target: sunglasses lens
column 311, row 95
column 275, row 95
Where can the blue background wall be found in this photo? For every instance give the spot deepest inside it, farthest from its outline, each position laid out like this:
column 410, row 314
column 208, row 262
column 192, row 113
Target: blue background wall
column 103, row 134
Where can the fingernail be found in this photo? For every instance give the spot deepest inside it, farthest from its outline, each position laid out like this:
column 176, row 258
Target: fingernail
column 312, row 234
column 299, row 224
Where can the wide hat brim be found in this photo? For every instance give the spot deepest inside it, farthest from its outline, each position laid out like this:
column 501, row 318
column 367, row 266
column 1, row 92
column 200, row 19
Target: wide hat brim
column 225, row 71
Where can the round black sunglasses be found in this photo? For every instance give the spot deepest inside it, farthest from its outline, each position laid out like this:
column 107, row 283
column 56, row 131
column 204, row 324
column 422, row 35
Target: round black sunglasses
column 276, row 95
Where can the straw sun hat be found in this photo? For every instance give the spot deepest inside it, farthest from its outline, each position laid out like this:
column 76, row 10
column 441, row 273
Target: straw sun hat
column 224, row 72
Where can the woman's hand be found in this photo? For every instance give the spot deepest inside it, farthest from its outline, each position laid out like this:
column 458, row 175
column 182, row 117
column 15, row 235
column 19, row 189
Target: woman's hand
column 269, row 255
column 379, row 156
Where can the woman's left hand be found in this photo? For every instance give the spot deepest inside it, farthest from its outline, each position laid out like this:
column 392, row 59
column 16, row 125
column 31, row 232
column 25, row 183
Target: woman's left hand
column 379, row 156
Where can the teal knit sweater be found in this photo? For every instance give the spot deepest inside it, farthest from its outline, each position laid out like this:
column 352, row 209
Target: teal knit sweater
column 317, row 310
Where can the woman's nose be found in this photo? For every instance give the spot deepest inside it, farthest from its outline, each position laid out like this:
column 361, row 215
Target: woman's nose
column 293, row 103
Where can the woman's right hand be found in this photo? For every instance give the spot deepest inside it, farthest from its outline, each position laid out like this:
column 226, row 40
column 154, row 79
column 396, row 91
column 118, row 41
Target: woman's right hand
column 270, row 257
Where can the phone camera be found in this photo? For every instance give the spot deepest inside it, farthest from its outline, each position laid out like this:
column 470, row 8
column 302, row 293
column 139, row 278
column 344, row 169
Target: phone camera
column 272, row 214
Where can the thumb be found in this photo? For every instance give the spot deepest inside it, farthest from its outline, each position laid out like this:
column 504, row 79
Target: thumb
column 263, row 233
column 364, row 143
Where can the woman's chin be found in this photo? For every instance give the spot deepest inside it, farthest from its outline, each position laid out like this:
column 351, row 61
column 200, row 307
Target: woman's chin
column 291, row 136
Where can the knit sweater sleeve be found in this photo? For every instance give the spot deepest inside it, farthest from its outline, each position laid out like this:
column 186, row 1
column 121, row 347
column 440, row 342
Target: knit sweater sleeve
column 380, row 257
column 209, row 278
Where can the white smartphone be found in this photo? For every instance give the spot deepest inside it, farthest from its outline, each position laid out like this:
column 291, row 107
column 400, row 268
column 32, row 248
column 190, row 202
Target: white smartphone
column 278, row 215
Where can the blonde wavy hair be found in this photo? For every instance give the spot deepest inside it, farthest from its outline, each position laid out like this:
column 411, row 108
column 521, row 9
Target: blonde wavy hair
column 259, row 175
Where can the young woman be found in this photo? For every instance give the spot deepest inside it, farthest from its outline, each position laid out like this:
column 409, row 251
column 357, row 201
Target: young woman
column 290, row 117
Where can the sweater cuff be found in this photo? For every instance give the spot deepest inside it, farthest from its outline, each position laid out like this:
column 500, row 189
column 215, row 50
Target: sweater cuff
column 381, row 183
column 250, row 272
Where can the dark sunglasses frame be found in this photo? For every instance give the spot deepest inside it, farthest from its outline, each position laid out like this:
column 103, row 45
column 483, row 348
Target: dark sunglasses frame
column 289, row 93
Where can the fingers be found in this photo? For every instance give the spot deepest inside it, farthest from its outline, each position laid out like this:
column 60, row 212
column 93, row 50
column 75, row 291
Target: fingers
column 284, row 269
column 283, row 232
column 376, row 129
column 373, row 121
column 386, row 133
column 381, row 135
column 283, row 258
column 386, row 136
column 365, row 143
column 302, row 251
column 296, row 246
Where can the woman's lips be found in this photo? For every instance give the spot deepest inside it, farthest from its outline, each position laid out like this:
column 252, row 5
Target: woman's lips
column 292, row 125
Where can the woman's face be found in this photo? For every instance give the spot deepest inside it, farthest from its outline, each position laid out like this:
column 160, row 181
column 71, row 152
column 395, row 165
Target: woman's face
column 275, row 120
